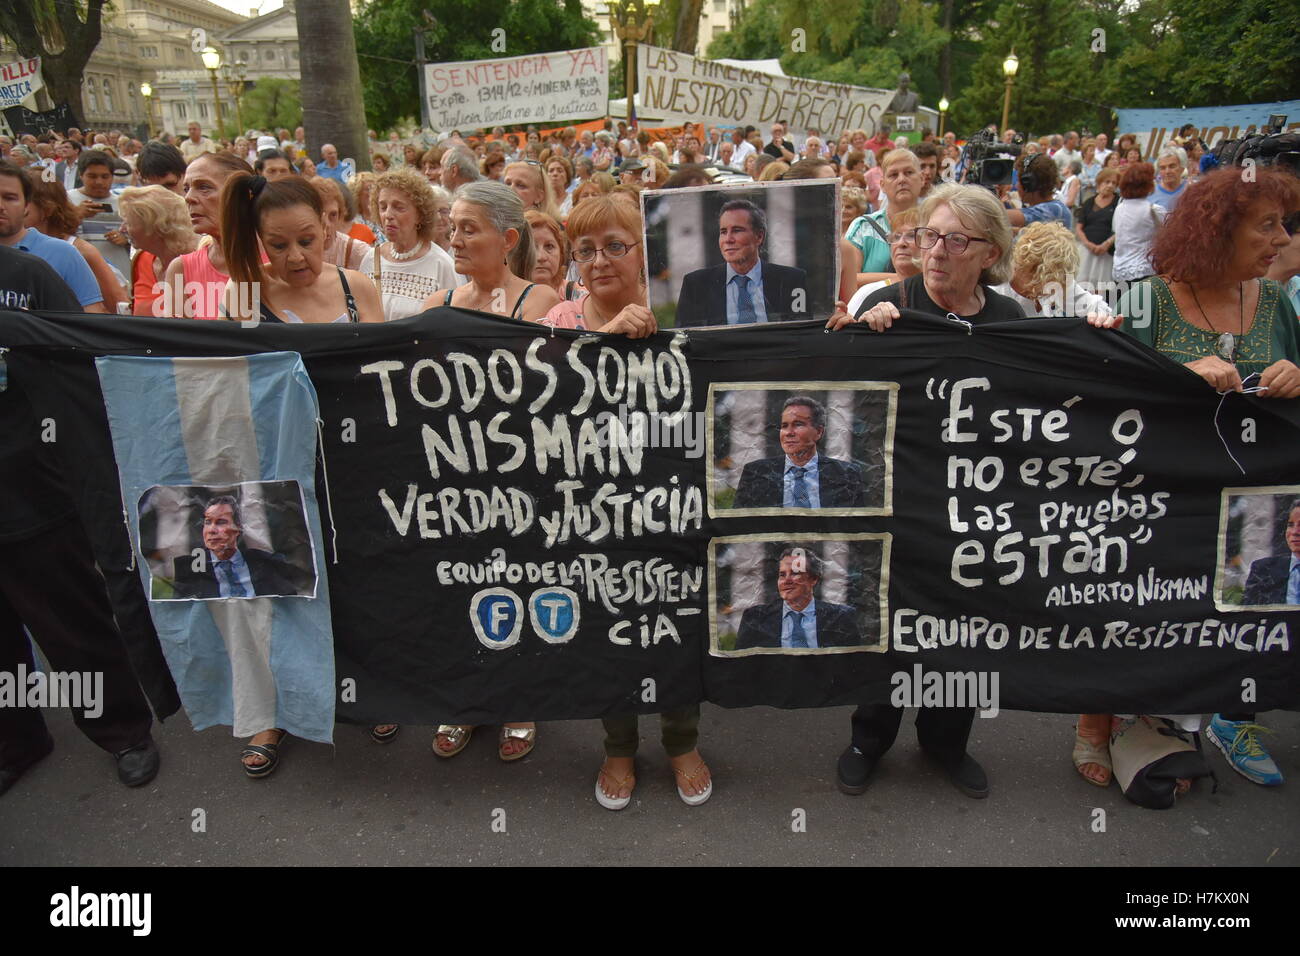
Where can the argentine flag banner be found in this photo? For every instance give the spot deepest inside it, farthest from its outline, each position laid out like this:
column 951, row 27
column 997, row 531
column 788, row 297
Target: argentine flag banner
column 217, row 461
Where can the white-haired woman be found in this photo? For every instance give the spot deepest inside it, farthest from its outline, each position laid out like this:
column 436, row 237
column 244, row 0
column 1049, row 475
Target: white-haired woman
column 965, row 243
column 492, row 244
column 158, row 223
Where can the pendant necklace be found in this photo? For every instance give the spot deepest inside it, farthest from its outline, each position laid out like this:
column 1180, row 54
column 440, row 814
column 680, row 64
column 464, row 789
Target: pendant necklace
column 1226, row 345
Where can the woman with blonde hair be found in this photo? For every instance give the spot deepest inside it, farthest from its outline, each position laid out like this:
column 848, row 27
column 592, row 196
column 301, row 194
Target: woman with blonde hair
column 901, row 183
column 158, row 224
column 773, row 171
column 529, row 180
column 1044, row 263
column 410, row 265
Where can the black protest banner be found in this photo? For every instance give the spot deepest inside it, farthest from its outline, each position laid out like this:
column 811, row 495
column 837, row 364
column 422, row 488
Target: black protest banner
column 538, row 524
column 22, row 120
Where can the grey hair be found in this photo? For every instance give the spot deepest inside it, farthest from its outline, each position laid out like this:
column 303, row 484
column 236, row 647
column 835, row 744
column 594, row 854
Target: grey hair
column 1177, row 152
column 757, row 218
column 817, row 408
column 1295, row 506
column 464, row 162
column 813, row 564
column 226, row 500
column 977, row 208
column 505, row 210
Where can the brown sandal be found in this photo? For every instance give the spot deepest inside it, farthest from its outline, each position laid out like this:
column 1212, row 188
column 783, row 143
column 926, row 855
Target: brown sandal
column 1092, row 746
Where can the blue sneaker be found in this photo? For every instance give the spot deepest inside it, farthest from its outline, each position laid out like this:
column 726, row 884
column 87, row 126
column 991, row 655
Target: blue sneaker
column 1239, row 741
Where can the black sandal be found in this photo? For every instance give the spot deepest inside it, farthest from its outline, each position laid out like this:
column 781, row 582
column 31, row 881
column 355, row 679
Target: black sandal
column 384, row 737
column 269, row 752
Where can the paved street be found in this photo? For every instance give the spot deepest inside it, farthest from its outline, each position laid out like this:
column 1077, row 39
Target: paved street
column 362, row 803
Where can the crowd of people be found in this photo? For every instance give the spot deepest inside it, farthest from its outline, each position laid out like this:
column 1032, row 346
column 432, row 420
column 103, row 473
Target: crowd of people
column 547, row 227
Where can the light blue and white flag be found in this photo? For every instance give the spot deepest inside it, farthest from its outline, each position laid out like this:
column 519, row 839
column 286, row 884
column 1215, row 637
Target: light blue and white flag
column 217, row 461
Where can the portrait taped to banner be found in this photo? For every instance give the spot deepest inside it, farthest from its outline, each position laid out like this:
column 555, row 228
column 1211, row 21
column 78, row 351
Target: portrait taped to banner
column 742, row 254
column 820, row 448
column 248, row 540
column 1259, row 549
column 815, row 594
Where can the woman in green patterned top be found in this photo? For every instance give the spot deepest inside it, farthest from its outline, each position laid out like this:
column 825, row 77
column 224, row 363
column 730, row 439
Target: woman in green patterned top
column 1209, row 305
column 1210, row 308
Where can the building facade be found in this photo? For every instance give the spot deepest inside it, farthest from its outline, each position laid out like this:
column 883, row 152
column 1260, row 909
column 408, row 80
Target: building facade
column 158, row 42
column 716, row 17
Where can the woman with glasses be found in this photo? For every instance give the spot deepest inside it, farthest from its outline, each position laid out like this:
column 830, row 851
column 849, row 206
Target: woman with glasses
column 605, row 238
column 410, row 265
column 900, row 180
column 965, row 244
column 903, row 257
column 605, row 235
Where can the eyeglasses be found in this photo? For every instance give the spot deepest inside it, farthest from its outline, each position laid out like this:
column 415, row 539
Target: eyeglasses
column 908, row 236
column 954, row 242
column 615, row 250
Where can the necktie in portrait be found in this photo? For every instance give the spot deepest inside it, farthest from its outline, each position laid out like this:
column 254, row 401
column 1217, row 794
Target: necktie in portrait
column 745, row 314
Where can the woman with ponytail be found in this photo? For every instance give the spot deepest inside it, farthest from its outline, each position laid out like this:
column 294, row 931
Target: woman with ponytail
column 288, row 218
column 196, row 282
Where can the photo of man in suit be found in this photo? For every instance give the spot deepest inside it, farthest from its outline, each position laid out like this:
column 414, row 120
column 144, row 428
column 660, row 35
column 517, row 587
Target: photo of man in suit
column 801, row 478
column 228, row 570
column 745, row 289
column 798, row 619
column 1277, row 580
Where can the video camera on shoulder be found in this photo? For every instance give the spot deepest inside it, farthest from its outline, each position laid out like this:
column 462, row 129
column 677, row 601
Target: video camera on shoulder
column 1269, row 147
column 989, row 161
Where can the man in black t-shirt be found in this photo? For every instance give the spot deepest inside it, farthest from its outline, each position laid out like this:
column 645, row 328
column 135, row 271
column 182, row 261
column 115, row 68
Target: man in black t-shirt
column 48, row 578
column 780, row 147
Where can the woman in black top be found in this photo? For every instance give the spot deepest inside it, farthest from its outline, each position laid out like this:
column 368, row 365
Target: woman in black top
column 492, row 244
column 294, row 284
column 1095, row 231
column 965, row 243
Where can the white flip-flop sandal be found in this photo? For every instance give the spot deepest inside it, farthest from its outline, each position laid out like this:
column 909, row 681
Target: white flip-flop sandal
column 614, row 803
column 697, row 799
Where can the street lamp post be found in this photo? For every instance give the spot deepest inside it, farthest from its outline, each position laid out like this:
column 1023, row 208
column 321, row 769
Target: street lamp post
column 147, row 92
column 212, row 63
column 235, row 81
column 632, row 22
column 943, row 109
column 1009, row 67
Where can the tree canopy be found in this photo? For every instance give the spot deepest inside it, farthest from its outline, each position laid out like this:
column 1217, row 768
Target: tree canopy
column 1079, row 59
column 461, row 30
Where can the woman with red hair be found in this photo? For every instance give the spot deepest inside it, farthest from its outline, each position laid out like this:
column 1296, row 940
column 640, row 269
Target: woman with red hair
column 1211, row 308
column 1135, row 222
